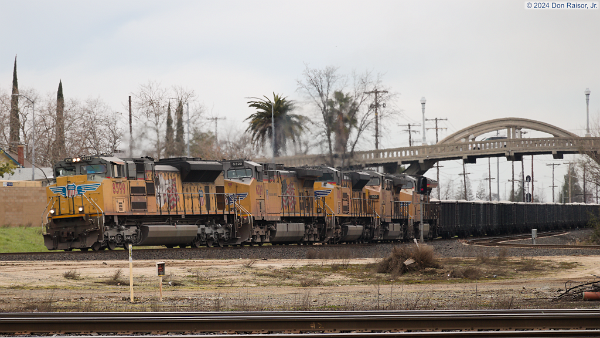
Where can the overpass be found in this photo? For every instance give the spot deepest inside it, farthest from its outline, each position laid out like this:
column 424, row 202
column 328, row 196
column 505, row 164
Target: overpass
column 462, row 145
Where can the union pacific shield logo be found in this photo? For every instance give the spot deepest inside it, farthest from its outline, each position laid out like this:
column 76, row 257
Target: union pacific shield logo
column 236, row 197
column 72, row 189
column 322, row 193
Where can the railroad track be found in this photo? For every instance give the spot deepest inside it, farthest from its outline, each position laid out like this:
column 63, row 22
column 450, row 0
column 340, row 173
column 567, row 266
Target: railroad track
column 299, row 322
column 503, row 241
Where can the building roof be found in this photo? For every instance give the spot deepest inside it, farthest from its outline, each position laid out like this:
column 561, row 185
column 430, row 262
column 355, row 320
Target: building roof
column 24, row 174
column 14, row 158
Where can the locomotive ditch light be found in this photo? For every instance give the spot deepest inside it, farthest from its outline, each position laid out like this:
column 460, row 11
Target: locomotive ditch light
column 80, row 210
column 52, row 211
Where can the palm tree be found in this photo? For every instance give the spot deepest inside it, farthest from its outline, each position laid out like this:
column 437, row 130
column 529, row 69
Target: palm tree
column 288, row 126
column 343, row 110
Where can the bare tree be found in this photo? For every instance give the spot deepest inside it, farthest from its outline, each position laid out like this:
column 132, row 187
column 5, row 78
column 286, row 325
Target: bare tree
column 150, row 104
column 344, row 111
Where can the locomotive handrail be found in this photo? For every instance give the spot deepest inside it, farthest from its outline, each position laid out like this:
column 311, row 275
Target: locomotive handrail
column 47, row 212
column 96, row 204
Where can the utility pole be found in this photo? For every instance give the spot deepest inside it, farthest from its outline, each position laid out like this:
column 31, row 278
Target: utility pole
column 410, row 131
column 553, row 186
column 436, row 127
column 570, row 200
column 489, row 179
column 464, row 175
column 376, row 106
column 512, row 193
column 584, row 190
column 523, row 179
column 437, row 165
column 130, row 130
column 532, row 179
column 216, row 120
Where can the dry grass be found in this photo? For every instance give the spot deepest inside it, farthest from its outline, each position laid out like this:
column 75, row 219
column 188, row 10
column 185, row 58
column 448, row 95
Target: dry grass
column 469, row 272
column 408, row 258
column 116, row 278
column 72, row 274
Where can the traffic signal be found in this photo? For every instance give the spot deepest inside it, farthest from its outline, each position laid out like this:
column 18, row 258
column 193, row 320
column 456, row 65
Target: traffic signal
column 422, row 185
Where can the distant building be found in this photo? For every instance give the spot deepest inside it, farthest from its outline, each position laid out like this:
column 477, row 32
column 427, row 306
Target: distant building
column 18, row 160
column 23, row 169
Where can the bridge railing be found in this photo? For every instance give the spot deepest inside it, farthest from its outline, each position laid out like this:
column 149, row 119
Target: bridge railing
column 440, row 151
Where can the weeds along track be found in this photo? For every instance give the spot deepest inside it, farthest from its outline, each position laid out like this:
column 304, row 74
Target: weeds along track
column 298, row 322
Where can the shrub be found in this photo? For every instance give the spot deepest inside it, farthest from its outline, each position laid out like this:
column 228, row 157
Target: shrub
column 408, row 258
column 594, row 222
column 72, row 274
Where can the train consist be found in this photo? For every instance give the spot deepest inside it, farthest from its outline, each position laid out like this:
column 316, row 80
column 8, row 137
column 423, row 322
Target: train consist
column 106, row 202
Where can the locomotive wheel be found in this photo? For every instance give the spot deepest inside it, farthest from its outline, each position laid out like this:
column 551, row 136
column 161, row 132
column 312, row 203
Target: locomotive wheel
column 210, row 243
column 84, row 249
column 112, row 245
column 97, row 246
column 69, row 249
column 221, row 243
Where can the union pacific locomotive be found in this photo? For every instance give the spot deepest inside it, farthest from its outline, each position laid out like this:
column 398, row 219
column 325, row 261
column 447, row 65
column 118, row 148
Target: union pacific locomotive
column 107, row 202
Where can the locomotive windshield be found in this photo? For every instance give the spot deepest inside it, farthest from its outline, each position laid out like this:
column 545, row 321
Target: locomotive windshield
column 374, row 181
column 239, row 173
column 64, row 171
column 327, row 177
column 93, row 169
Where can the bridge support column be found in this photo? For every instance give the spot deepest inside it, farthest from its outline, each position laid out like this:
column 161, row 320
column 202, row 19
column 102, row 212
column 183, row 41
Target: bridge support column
column 420, row 167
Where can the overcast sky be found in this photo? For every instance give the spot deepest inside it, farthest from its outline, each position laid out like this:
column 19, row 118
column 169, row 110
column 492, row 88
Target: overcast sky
column 472, row 60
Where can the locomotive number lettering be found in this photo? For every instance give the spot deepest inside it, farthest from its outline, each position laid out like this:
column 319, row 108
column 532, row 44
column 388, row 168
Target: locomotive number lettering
column 119, row 188
column 237, row 163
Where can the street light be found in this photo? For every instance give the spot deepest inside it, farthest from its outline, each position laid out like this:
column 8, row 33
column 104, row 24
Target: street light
column 32, row 135
column 587, row 102
column 423, row 106
column 273, row 129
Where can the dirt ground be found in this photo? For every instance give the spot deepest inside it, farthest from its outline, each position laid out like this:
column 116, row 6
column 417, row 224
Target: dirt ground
column 301, row 284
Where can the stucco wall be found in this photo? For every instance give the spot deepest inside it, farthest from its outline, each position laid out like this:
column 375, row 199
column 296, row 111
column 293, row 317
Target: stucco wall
column 22, row 205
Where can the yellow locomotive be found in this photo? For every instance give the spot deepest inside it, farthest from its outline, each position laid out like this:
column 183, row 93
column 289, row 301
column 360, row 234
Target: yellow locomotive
column 105, row 202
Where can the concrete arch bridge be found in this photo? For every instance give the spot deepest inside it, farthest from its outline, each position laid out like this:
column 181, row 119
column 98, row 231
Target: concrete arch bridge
column 463, row 145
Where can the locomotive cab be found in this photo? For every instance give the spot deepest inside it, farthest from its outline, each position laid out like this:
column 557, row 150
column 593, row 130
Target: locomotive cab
column 76, row 203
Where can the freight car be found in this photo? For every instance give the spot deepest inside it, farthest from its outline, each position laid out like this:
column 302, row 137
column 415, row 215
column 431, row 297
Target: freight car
column 466, row 218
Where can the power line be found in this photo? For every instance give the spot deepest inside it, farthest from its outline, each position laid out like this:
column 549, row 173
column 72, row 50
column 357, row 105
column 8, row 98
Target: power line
column 553, row 186
column 437, row 164
column 410, row 131
column 216, row 120
column 376, row 106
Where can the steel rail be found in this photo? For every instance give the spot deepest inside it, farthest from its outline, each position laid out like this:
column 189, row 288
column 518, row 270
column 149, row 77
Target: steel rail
column 422, row 334
column 302, row 322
